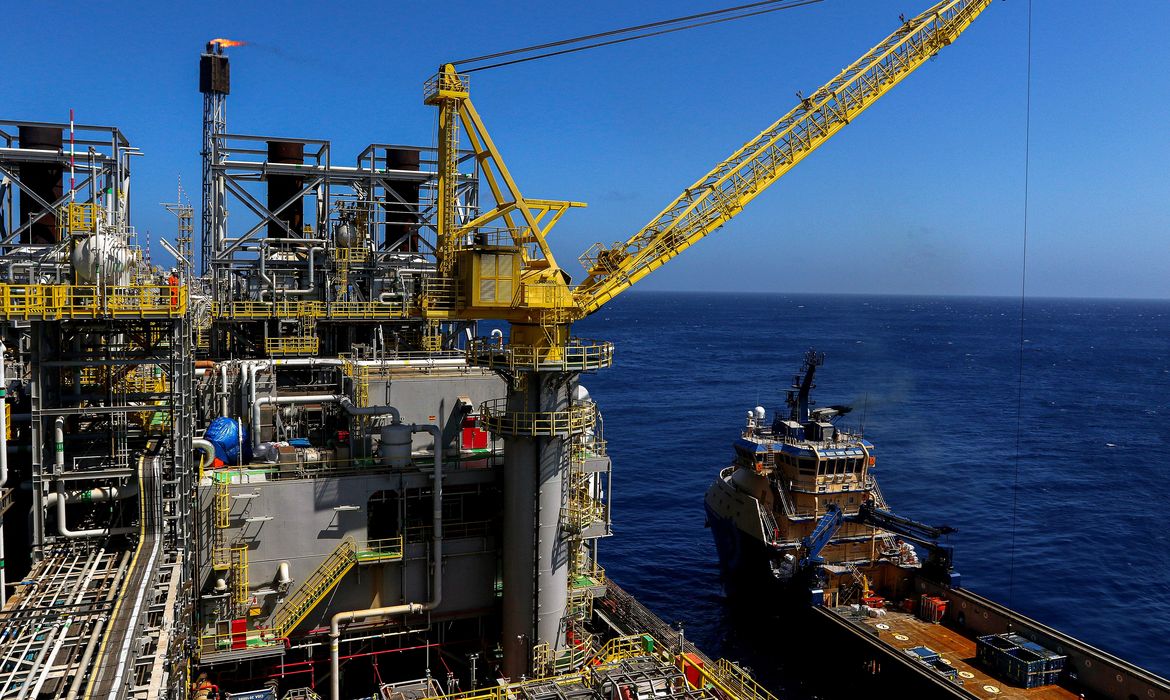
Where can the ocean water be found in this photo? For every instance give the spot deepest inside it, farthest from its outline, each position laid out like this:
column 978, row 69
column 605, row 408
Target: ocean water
column 935, row 383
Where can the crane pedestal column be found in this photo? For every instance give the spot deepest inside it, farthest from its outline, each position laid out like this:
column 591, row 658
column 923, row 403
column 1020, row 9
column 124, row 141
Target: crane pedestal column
column 535, row 560
column 538, row 421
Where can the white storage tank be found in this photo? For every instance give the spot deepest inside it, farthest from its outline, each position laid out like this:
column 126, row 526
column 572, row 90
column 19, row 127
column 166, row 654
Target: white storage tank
column 102, row 256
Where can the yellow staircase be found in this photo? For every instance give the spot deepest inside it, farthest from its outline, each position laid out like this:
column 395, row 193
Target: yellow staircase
column 298, row 606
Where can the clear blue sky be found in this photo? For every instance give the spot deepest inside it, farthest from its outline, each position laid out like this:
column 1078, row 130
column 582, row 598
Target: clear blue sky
column 922, row 194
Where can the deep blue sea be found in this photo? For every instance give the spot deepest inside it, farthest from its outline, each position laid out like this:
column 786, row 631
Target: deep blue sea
column 936, row 382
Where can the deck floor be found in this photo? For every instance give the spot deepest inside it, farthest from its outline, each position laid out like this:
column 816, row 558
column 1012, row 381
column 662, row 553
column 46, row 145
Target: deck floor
column 904, row 631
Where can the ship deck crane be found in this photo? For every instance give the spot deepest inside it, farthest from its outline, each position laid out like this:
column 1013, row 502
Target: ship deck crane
column 499, row 265
column 938, row 561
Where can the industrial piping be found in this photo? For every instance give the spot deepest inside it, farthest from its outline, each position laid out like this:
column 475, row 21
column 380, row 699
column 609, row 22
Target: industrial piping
column 436, row 577
column 264, row 400
column 62, row 496
column 63, row 527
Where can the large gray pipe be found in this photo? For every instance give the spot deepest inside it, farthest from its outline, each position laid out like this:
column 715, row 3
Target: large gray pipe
column 353, row 410
column 436, row 576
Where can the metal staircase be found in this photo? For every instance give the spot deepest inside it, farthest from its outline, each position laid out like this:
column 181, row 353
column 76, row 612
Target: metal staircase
column 298, row 606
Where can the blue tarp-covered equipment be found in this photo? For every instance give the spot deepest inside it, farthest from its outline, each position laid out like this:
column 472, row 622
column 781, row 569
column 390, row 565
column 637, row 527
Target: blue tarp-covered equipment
column 227, row 435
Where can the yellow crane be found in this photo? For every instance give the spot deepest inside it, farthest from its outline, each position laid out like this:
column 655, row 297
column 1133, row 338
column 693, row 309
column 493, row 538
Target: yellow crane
column 498, row 265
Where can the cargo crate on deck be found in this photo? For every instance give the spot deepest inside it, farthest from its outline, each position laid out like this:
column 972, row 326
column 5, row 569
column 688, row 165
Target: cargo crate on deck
column 932, row 608
column 1053, row 661
column 1025, row 668
column 1019, row 660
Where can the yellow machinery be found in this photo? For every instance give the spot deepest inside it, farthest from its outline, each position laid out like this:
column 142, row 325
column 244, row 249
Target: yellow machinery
column 499, row 265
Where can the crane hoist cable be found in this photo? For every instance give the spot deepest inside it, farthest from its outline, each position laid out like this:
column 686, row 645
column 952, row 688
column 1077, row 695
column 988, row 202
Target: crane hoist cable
column 666, row 26
column 722, row 193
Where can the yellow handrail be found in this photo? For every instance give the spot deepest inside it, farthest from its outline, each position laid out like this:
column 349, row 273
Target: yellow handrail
column 69, row 301
column 298, row 606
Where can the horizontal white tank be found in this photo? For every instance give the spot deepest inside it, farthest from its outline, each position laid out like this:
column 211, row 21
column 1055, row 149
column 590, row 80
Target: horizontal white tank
column 102, row 256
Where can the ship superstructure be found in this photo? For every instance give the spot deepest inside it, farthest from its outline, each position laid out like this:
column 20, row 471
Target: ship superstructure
column 785, row 477
column 289, row 464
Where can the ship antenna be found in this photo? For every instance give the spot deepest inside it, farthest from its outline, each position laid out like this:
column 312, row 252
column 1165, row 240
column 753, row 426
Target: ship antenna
column 864, row 412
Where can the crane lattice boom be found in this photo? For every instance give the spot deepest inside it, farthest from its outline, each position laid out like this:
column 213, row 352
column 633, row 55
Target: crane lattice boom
column 722, row 193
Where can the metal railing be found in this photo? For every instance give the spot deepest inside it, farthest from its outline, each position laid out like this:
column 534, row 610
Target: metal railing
column 576, row 419
column 239, row 575
column 446, row 82
column 351, row 310
column 579, row 355
column 736, row 678
column 511, row 691
column 352, row 255
column 80, row 217
column 627, row 647
column 293, row 345
column 70, row 301
column 375, row 551
column 581, row 511
column 452, row 530
column 438, row 294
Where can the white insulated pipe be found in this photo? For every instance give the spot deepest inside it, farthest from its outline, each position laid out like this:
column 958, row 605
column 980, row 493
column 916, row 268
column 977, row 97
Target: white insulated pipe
column 248, row 372
column 287, row 292
column 205, row 447
column 63, row 497
column 95, row 495
column 59, row 444
column 223, row 389
column 436, row 577
column 63, row 526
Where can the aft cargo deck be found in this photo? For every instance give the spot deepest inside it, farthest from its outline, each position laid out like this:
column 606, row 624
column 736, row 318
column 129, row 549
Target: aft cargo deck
column 904, row 631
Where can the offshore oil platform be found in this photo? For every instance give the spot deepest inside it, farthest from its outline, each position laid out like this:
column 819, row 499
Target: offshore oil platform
column 290, row 466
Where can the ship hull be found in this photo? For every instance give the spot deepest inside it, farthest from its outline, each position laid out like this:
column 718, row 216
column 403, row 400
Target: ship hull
column 745, row 563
